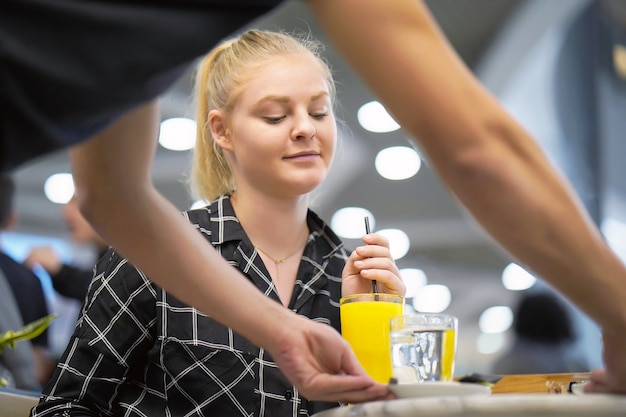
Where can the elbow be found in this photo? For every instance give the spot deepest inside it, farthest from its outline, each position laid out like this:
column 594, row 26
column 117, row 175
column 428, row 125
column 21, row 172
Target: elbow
column 490, row 156
column 478, row 165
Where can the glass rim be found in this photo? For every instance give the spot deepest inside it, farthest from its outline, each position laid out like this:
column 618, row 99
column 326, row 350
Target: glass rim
column 370, row 296
column 447, row 320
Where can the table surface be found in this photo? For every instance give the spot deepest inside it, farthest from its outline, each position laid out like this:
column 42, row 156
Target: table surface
column 512, row 396
column 16, row 404
column 534, row 383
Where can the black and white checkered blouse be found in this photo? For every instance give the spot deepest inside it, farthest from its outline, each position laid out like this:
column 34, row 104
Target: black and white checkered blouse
column 138, row 351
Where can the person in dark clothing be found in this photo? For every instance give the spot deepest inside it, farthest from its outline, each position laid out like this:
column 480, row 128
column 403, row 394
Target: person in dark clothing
column 28, row 293
column 543, row 340
column 26, row 289
column 17, row 368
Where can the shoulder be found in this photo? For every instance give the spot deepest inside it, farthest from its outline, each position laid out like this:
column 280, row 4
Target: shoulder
column 119, row 276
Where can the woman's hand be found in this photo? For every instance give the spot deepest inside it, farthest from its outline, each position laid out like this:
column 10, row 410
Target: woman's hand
column 372, row 262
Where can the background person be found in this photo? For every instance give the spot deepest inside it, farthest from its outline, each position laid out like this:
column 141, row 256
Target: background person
column 266, row 139
column 17, row 367
column 69, row 280
column 53, row 97
column 24, row 302
column 544, row 339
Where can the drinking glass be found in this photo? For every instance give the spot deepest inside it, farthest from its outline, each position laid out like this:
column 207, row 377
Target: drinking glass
column 423, row 347
column 365, row 326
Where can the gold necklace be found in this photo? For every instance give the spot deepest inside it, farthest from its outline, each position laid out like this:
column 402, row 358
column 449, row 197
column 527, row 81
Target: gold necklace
column 277, row 261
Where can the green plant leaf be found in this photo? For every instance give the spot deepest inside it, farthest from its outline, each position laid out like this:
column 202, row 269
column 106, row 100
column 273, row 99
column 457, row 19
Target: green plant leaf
column 31, row 330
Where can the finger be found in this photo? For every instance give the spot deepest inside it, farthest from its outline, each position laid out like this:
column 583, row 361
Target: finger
column 377, row 263
column 601, row 382
column 376, row 239
column 384, row 277
column 347, row 388
column 373, row 251
column 597, row 383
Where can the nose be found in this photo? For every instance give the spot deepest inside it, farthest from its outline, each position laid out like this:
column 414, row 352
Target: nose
column 303, row 128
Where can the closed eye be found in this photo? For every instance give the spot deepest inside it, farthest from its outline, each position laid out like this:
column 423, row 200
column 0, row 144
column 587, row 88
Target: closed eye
column 318, row 116
column 274, row 120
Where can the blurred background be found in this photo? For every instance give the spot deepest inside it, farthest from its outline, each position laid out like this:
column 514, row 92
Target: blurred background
column 560, row 69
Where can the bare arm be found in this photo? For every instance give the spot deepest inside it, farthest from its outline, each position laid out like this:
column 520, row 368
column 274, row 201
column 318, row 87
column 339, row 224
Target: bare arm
column 115, row 193
column 487, row 159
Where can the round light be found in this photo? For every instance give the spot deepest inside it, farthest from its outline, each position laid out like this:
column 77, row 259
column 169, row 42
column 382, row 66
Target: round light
column 349, row 222
column 414, row 279
column 399, row 242
column 432, row 299
column 398, row 162
column 59, row 188
column 374, row 117
column 516, row 278
column 497, row 319
column 177, row 134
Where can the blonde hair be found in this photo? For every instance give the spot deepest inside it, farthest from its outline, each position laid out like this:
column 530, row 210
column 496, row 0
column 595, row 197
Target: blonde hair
column 220, row 77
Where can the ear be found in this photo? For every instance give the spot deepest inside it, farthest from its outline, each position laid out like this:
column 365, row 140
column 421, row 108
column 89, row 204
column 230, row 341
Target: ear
column 219, row 130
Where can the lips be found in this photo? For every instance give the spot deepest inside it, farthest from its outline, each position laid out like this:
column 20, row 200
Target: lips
column 303, row 154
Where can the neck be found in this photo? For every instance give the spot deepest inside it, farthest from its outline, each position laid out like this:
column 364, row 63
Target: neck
column 275, row 225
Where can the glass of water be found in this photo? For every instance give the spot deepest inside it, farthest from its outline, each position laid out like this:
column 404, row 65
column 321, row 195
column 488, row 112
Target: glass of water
column 423, row 347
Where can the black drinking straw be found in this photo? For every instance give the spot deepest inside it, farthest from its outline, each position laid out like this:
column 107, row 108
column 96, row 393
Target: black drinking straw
column 367, row 231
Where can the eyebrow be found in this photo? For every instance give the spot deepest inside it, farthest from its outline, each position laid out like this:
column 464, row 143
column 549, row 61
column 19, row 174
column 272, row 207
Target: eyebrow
column 286, row 99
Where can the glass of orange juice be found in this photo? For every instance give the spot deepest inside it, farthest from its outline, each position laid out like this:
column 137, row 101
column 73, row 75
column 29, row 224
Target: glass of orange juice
column 365, row 326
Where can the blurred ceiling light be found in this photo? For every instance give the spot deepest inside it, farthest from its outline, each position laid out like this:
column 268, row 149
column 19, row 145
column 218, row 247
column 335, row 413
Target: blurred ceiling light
column 178, row 134
column 399, row 242
column 488, row 343
column 398, row 162
column 414, row 279
column 432, row 299
column 374, row 117
column 516, row 278
column 619, row 60
column 349, row 222
column 496, row 319
column 59, row 188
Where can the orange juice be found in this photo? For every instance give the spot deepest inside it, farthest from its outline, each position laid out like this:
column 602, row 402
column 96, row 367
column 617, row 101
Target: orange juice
column 365, row 325
column 449, row 353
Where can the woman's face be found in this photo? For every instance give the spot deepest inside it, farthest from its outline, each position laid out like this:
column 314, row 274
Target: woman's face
column 281, row 135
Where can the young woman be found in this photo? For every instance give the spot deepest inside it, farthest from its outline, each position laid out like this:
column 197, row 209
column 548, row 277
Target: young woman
column 266, row 139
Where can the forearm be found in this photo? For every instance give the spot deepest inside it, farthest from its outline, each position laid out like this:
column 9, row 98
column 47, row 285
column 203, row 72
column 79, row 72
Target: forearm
column 487, row 160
